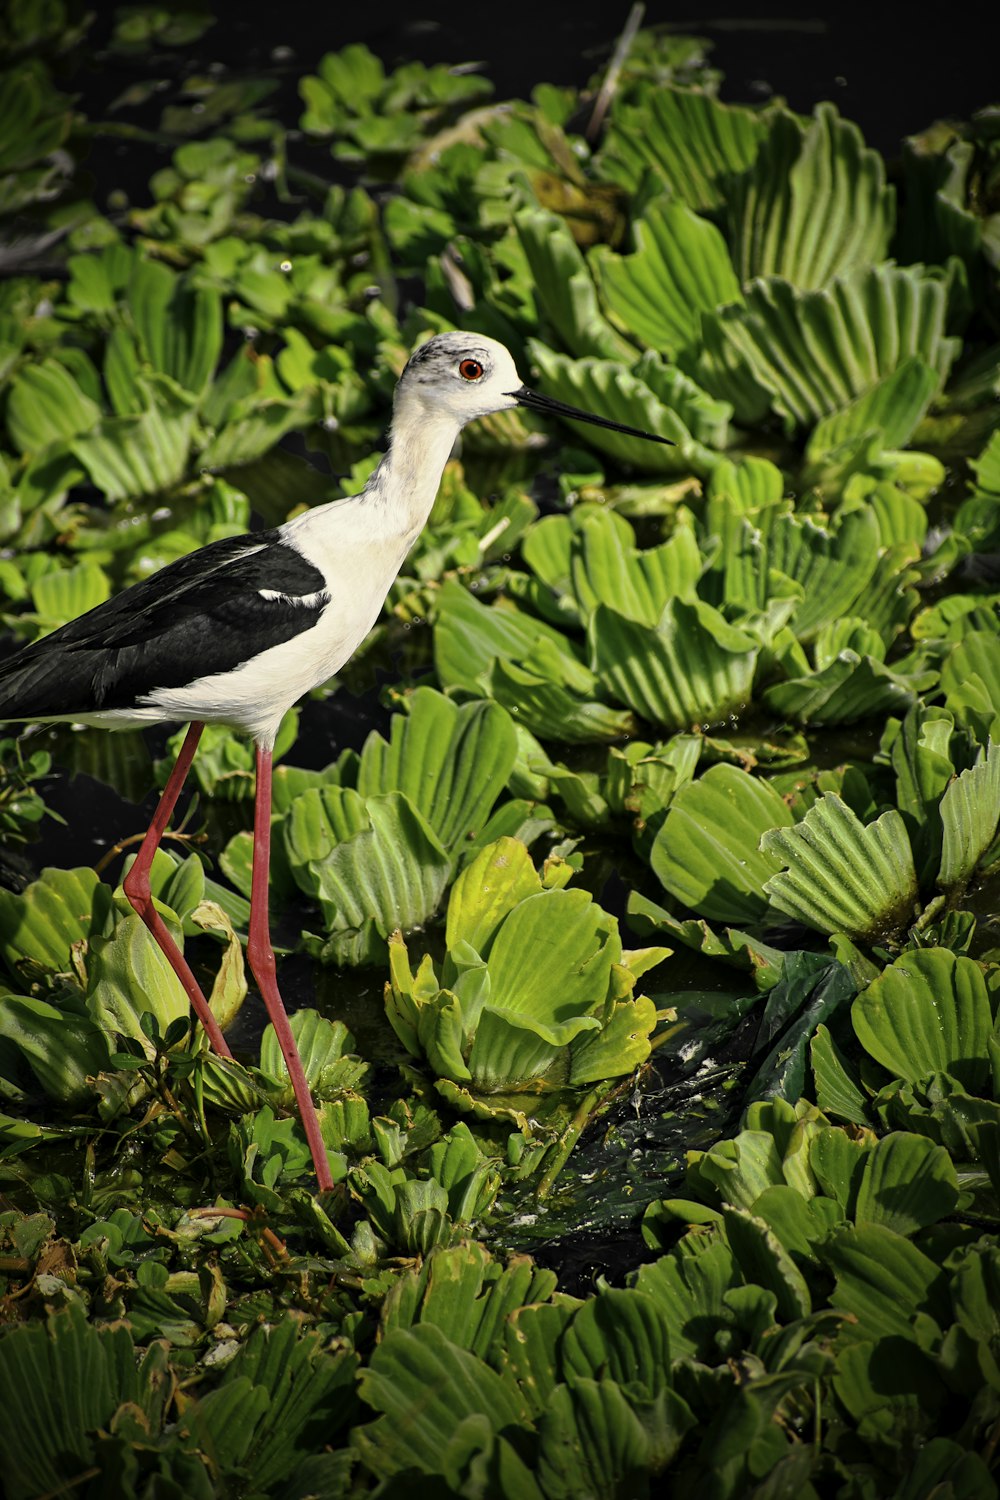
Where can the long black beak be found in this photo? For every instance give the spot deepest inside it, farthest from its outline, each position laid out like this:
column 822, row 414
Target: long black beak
column 531, row 399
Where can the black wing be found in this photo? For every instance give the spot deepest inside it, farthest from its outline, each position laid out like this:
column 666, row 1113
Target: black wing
column 202, row 614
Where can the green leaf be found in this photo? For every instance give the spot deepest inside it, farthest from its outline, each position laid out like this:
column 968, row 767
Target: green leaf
column 908, row 1183
column 129, row 975
column 680, row 268
column 970, row 678
column 450, row 761
column 555, row 933
column 833, row 566
column 850, row 689
column 605, row 569
column 765, row 1262
column 837, row 1160
column 41, row 926
column 62, row 1049
column 551, row 711
column 815, row 351
column 487, row 891
column 842, row 876
column 694, row 669
column 892, row 407
column 469, row 638
column 945, row 1467
column 882, row 1280
column 83, row 1375
column 970, row 813
column 928, row 1012
column 752, row 483
column 799, row 1223
column 547, row 977
column 621, row 1045
column 179, row 326
column 591, row 1442
column 691, row 140
column 837, row 1090
column 609, row 388
column 921, row 761
column 621, row 1336
column 707, row 851
column 813, row 205
column 142, row 454
column 35, row 117
column 690, row 1285
column 373, row 865
column 321, row 1045
column 309, row 1394
column 563, row 287
column 741, row 1169
column 467, row 1294
column 426, row 1387
column 46, row 405
column 64, row 593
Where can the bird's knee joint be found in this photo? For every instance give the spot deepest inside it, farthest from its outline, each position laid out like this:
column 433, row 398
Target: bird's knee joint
column 260, row 957
column 138, row 894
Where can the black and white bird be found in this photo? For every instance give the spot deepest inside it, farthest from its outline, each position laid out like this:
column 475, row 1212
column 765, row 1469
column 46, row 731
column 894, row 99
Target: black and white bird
column 238, row 631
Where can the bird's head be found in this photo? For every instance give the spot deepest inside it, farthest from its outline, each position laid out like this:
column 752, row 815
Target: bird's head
column 467, row 375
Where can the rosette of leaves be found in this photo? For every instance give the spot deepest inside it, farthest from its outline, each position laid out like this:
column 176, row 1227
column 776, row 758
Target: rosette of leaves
column 843, row 875
column 646, row 393
column 733, row 849
column 681, row 665
column 534, row 995
column 155, row 416
column 977, row 519
column 35, row 122
column 790, row 279
column 98, row 981
column 525, row 664
column 949, row 204
column 378, row 118
column 849, row 583
column 378, row 839
column 691, row 141
column 463, row 191
column 21, row 803
column 279, row 1387
column 200, row 196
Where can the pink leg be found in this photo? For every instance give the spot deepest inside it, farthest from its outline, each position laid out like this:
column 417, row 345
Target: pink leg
column 261, row 957
column 136, row 887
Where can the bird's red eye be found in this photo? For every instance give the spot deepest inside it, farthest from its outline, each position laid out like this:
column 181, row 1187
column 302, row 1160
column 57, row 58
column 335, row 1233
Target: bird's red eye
column 470, row 369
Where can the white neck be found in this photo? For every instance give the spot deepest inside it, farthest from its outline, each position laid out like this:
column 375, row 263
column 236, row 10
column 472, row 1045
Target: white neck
column 392, row 510
column 407, row 480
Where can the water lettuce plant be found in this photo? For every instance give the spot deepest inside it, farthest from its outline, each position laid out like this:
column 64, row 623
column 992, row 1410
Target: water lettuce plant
column 534, row 995
column 738, row 695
